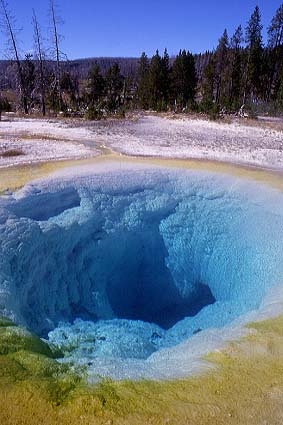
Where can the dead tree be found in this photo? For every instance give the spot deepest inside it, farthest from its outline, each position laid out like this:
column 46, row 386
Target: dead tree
column 57, row 52
column 40, row 58
column 8, row 25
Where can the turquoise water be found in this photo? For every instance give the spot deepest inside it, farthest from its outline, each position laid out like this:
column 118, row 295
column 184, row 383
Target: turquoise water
column 120, row 264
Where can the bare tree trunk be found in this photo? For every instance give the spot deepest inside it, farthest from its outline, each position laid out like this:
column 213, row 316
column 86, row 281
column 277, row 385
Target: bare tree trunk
column 11, row 34
column 58, row 65
column 41, row 62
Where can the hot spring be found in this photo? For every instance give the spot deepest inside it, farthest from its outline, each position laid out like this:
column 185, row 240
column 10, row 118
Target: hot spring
column 122, row 267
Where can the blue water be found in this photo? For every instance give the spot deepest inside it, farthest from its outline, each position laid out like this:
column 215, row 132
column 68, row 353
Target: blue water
column 121, row 264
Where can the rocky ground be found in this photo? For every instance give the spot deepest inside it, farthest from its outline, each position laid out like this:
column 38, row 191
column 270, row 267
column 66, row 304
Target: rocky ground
column 257, row 143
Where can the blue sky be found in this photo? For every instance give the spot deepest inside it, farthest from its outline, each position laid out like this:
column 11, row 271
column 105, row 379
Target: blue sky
column 126, row 28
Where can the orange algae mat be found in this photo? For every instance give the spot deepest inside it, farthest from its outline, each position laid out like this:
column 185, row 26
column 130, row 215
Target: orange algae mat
column 15, row 177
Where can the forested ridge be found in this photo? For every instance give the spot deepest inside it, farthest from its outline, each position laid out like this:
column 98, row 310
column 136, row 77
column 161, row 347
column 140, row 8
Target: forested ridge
column 243, row 75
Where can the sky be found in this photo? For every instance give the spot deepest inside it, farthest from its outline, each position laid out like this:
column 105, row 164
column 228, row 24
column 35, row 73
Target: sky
column 128, row 27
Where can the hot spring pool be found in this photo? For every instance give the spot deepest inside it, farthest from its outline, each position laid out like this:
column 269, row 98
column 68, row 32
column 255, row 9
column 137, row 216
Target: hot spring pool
column 121, row 268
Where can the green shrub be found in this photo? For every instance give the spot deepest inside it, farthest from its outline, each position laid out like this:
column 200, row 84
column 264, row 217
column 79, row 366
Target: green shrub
column 5, row 105
column 94, row 113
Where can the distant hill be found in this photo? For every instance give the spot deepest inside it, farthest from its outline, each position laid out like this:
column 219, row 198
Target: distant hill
column 81, row 67
column 78, row 67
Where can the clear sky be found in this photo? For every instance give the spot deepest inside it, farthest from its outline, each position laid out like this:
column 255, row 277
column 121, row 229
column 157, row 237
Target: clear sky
column 128, row 27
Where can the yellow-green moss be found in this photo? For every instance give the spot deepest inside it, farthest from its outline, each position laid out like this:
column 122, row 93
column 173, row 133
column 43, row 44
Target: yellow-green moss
column 269, row 326
column 246, row 387
column 4, row 322
column 13, row 339
column 27, row 362
column 39, row 365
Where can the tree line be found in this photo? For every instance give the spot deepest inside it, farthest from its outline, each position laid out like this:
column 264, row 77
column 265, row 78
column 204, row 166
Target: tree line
column 240, row 74
column 243, row 72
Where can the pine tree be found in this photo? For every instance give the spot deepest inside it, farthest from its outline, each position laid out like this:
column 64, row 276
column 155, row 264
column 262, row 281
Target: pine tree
column 254, row 60
column 94, row 93
column 208, row 84
column 221, row 62
column 95, row 89
column 275, row 30
column 155, row 76
column 142, row 82
column 235, row 68
column 158, row 81
column 183, row 79
column 165, row 82
column 114, row 82
column 70, row 89
column 275, row 46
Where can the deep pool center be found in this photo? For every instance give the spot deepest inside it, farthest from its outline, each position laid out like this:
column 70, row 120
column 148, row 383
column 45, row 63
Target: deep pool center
column 119, row 266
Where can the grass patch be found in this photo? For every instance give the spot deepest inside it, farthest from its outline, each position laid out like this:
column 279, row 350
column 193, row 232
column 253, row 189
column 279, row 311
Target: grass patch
column 46, row 137
column 11, row 153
